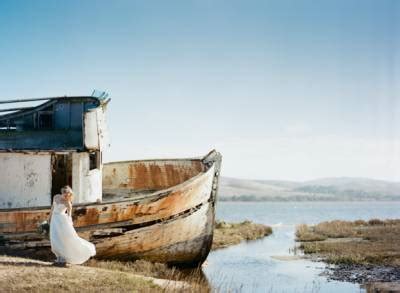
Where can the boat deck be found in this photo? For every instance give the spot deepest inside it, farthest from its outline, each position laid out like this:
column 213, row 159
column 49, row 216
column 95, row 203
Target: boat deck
column 115, row 195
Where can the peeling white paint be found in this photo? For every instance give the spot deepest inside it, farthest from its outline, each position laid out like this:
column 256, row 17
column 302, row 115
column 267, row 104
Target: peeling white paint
column 87, row 184
column 91, row 131
column 96, row 132
column 25, row 180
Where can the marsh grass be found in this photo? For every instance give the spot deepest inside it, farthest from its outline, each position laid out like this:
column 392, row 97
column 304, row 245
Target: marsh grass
column 308, row 234
column 227, row 234
column 358, row 242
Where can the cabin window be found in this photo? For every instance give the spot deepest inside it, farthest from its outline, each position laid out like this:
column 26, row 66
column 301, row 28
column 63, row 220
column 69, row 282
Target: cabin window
column 95, row 160
column 45, row 120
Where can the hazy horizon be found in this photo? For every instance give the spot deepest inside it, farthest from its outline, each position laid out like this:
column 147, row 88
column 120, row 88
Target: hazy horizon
column 285, row 90
column 310, row 180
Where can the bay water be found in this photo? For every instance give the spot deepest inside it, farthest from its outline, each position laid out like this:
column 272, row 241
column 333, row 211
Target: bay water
column 267, row 265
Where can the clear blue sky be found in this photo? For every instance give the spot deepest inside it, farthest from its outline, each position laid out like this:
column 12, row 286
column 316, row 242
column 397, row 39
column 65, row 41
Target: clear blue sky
column 284, row 89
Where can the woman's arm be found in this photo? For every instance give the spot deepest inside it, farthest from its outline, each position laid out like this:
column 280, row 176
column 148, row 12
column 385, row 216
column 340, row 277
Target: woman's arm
column 51, row 212
column 52, row 207
column 69, row 208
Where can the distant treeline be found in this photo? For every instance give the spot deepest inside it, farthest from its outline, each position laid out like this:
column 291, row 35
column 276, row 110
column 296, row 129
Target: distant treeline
column 311, row 197
column 336, row 192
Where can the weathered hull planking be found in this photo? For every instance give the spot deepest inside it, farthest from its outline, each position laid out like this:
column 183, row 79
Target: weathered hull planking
column 159, row 210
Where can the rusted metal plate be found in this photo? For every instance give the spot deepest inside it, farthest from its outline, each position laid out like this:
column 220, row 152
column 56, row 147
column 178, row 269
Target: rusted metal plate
column 153, row 207
column 149, row 175
column 177, row 240
column 173, row 225
column 185, row 240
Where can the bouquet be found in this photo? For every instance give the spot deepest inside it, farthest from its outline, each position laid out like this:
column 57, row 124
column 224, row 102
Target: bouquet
column 44, row 228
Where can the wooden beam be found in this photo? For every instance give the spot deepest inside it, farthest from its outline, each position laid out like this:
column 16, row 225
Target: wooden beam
column 16, row 109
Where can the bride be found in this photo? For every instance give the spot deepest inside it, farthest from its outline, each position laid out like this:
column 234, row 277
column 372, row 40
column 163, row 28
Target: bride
column 65, row 242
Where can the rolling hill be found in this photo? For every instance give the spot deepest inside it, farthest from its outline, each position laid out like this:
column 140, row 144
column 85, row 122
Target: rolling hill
column 332, row 189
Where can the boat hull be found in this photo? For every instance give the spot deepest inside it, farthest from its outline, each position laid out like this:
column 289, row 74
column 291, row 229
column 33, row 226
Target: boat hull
column 185, row 240
column 172, row 225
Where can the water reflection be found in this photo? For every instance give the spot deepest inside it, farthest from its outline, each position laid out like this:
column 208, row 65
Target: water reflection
column 267, row 264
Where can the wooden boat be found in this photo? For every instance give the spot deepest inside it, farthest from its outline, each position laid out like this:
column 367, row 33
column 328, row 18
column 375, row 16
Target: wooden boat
column 159, row 210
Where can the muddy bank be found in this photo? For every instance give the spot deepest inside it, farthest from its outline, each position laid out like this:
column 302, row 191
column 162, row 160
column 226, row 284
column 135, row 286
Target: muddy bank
column 373, row 278
column 360, row 251
column 357, row 273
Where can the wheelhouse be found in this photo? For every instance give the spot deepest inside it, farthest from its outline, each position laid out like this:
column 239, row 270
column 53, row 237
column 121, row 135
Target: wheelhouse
column 46, row 143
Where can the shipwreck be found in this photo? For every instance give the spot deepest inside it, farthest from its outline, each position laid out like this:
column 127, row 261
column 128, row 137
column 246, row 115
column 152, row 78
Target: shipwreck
column 161, row 210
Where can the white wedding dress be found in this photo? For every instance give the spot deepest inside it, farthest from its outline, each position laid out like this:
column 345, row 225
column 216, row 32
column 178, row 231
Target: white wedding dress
column 65, row 242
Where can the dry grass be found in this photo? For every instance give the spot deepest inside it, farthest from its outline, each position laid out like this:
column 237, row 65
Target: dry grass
column 141, row 267
column 193, row 277
column 227, row 234
column 26, row 275
column 382, row 287
column 359, row 242
column 23, row 275
column 306, row 234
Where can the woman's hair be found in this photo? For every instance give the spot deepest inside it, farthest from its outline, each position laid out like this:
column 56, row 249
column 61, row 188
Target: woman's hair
column 67, row 189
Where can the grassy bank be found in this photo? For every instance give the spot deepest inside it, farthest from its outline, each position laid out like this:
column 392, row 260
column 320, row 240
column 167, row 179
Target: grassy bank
column 374, row 242
column 23, row 275
column 227, row 234
column 192, row 279
column 26, row 275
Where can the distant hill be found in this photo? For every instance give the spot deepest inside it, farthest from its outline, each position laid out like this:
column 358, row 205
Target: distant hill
column 330, row 189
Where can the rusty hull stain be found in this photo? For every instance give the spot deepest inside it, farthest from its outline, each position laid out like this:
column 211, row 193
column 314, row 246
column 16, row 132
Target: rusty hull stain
column 149, row 175
column 184, row 239
column 145, row 210
column 173, row 226
column 157, row 242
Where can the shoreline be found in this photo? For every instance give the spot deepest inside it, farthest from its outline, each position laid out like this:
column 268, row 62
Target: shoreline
column 228, row 234
column 24, row 274
column 363, row 252
column 362, row 274
column 281, row 200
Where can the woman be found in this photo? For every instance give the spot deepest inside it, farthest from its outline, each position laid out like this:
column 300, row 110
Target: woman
column 65, row 242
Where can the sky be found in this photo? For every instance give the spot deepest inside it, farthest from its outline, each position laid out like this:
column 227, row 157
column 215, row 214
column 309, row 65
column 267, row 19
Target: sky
column 292, row 90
